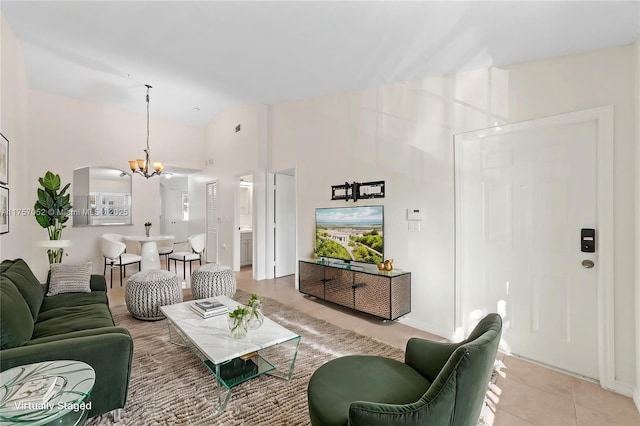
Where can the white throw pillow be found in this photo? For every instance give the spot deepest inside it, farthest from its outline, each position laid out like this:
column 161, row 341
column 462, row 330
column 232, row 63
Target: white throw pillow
column 70, row 278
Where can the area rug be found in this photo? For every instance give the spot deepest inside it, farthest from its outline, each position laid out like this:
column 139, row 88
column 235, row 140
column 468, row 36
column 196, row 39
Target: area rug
column 170, row 386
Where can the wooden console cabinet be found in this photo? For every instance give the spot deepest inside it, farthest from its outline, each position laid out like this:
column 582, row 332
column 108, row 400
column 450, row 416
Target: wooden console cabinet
column 362, row 288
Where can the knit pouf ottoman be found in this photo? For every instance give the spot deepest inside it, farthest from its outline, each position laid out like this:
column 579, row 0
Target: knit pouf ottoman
column 213, row 280
column 148, row 290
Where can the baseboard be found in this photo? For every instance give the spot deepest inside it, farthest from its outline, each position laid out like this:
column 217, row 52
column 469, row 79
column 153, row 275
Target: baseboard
column 626, row 389
column 636, row 398
column 438, row 331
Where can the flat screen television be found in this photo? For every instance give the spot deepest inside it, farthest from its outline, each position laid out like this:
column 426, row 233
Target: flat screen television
column 352, row 234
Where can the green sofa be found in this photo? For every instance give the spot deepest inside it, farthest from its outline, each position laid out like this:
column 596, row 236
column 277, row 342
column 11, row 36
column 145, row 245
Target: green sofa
column 438, row 384
column 76, row 326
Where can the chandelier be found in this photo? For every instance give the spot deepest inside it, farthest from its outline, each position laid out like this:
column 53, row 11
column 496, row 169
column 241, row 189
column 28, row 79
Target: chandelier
column 141, row 166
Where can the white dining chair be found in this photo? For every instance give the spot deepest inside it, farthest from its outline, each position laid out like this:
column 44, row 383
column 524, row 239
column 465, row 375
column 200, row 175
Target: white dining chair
column 114, row 255
column 197, row 243
column 165, row 248
column 117, row 237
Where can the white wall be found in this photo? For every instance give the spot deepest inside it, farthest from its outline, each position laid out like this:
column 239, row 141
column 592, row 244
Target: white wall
column 402, row 134
column 230, row 155
column 14, row 100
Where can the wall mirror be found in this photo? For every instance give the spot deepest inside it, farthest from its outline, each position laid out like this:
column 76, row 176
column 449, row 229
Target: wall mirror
column 101, row 197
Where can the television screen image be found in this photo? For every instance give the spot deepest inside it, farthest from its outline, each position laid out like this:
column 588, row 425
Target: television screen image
column 351, row 233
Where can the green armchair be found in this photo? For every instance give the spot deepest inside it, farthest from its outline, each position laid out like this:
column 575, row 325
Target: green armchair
column 438, row 384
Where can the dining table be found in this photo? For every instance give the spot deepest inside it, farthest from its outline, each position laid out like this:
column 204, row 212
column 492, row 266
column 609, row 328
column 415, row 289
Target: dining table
column 149, row 249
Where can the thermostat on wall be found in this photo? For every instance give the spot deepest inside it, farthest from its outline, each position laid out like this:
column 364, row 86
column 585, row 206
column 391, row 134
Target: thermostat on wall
column 415, row 214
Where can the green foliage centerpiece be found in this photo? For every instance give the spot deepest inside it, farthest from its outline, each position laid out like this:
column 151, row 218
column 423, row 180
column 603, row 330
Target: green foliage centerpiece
column 246, row 317
column 238, row 324
column 256, row 317
column 52, row 210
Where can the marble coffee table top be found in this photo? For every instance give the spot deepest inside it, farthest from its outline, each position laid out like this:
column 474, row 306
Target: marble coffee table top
column 211, row 336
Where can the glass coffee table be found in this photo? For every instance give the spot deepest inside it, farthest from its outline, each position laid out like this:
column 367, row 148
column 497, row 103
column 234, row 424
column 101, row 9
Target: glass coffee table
column 69, row 402
column 270, row 349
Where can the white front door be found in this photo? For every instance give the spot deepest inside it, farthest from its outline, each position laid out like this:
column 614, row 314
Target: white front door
column 523, row 195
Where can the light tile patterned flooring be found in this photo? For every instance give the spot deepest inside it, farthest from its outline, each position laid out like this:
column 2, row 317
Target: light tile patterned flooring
column 524, row 394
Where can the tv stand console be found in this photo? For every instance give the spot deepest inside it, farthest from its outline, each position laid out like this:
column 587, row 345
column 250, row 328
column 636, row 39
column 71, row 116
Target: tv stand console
column 363, row 288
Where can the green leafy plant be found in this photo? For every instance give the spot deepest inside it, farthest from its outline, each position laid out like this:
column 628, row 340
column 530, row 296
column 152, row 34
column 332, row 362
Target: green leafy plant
column 238, row 319
column 147, row 224
column 52, row 210
column 254, row 305
column 255, row 301
column 239, row 313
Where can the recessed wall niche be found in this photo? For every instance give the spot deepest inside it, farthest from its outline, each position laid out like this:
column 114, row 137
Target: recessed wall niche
column 101, row 196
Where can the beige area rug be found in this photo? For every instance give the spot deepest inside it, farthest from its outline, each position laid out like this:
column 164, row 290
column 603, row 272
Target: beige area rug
column 170, row 386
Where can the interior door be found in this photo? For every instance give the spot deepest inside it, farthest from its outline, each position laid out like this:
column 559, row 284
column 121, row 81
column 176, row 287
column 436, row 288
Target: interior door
column 172, row 217
column 522, row 198
column 285, row 225
column 211, row 251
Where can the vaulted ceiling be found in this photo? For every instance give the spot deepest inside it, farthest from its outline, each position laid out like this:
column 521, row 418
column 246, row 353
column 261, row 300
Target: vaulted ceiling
column 214, row 54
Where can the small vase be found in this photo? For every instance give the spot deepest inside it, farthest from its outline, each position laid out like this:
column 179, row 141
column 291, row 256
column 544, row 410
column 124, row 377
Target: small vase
column 146, row 230
column 256, row 317
column 238, row 327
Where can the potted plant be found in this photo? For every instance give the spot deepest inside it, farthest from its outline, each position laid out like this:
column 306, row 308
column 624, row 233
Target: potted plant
column 52, row 210
column 256, row 317
column 147, row 228
column 238, row 324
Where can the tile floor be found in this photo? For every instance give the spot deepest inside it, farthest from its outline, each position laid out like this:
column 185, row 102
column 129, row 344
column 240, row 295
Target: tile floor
column 524, row 394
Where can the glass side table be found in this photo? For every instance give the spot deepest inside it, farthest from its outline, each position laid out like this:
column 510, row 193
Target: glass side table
column 69, row 403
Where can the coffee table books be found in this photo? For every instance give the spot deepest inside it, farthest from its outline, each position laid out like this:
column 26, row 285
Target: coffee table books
column 35, row 391
column 207, row 309
column 209, row 305
column 62, row 388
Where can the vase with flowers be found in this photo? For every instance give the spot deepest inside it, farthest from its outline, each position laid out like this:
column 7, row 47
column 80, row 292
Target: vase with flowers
column 238, row 322
column 256, row 317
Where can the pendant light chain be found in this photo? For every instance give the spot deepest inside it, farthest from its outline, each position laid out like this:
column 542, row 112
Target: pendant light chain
column 148, row 87
column 141, row 166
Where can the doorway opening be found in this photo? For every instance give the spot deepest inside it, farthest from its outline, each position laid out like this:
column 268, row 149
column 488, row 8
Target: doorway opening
column 245, row 223
column 282, row 215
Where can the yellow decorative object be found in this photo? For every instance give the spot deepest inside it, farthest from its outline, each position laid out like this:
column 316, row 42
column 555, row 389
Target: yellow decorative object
column 388, row 265
column 381, row 266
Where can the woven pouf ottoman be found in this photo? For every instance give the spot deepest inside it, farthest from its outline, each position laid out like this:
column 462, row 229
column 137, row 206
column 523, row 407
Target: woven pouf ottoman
column 148, row 290
column 213, row 280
